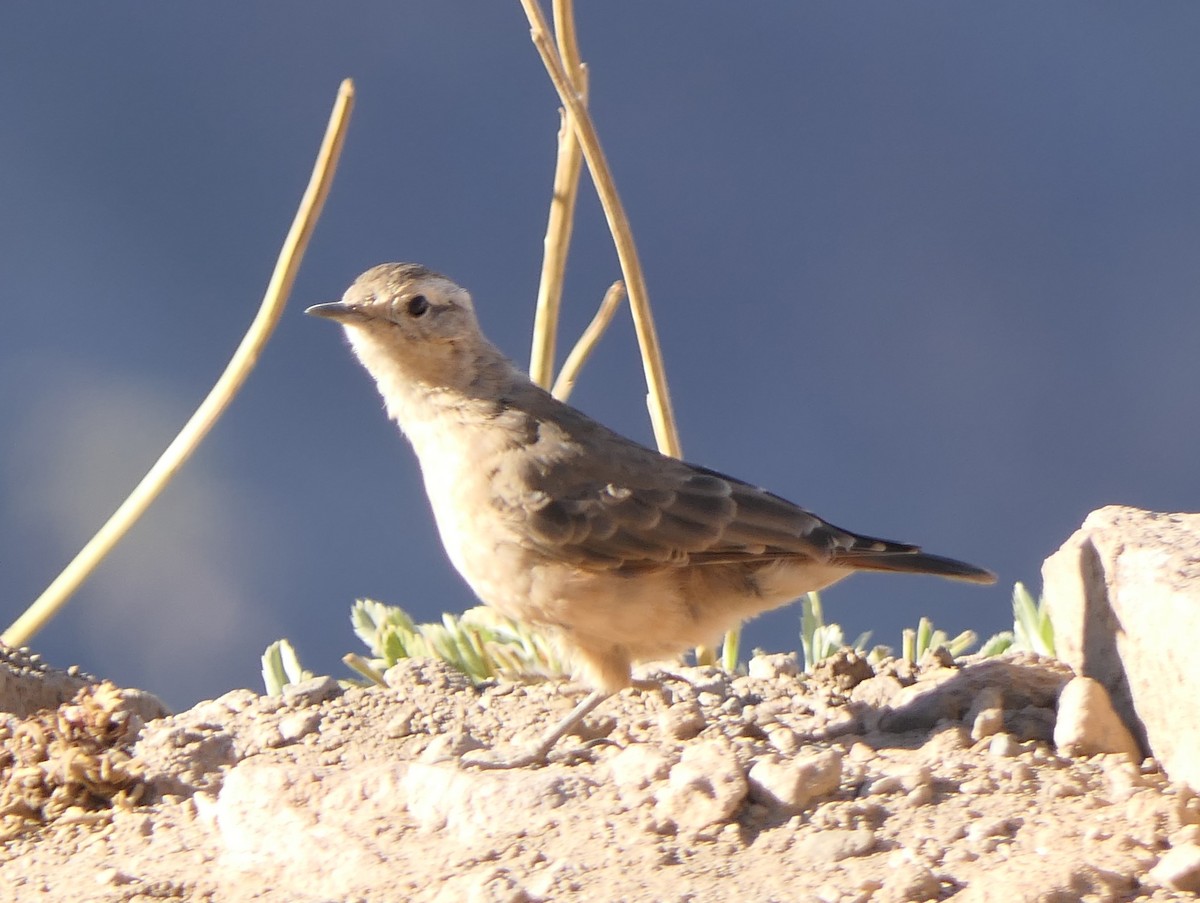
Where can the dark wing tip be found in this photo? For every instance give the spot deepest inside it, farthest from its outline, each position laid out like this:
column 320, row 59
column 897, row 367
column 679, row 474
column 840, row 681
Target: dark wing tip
column 913, row 561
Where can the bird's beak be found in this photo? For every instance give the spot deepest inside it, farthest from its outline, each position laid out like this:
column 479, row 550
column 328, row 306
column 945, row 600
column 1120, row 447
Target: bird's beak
column 334, row 310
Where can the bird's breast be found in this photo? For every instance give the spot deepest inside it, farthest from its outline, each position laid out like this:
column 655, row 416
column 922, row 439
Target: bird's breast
column 462, row 465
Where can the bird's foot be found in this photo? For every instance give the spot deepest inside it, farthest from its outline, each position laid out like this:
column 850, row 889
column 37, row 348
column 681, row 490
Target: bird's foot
column 539, row 752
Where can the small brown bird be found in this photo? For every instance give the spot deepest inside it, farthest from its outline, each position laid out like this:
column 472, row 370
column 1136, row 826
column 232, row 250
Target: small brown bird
column 553, row 519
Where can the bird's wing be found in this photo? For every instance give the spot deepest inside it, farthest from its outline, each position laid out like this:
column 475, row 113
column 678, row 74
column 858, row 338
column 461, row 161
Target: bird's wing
column 671, row 514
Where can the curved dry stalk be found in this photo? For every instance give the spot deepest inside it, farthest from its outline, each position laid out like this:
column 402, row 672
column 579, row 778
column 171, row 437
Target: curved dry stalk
column 659, row 401
column 567, row 376
column 562, row 207
column 239, row 367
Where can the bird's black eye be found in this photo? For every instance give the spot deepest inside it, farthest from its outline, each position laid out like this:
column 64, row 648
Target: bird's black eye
column 417, row 305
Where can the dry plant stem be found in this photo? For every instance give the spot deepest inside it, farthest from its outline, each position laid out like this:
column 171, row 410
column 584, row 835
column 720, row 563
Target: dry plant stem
column 565, row 35
column 569, row 374
column 662, row 419
column 239, row 367
column 659, row 402
column 559, row 227
column 562, row 208
column 363, row 667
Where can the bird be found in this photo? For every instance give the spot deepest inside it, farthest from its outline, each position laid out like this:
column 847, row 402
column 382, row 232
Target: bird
column 622, row 553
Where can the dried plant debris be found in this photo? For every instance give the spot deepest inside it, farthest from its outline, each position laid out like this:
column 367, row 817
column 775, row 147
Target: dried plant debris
column 69, row 761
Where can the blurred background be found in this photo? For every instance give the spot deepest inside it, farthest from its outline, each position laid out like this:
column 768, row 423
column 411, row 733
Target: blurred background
column 930, row 270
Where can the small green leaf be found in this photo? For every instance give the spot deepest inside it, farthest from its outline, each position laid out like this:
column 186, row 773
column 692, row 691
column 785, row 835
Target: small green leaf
column 281, row 667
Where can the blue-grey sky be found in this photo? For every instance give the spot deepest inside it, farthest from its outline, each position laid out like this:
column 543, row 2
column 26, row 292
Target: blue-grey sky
column 928, row 269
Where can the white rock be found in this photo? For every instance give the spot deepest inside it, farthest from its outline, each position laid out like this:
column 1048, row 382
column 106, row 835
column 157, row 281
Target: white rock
column 299, row 724
column 331, row 818
column 1004, row 746
column 905, row 778
column 1088, row 725
column 478, row 806
column 833, row 845
column 987, row 723
column 792, row 784
column 1179, row 869
column 705, row 787
column 765, row 667
column 1124, row 596
column 311, row 692
column 909, row 883
column 638, row 766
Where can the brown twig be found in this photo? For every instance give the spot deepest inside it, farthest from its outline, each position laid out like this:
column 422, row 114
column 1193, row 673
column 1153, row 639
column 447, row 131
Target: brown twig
column 567, row 377
column 659, row 401
column 239, row 367
column 562, row 207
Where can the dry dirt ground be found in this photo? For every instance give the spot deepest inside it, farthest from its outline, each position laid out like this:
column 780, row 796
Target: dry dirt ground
column 908, row 784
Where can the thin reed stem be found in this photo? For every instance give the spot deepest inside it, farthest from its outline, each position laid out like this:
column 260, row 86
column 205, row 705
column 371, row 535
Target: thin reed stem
column 238, row 368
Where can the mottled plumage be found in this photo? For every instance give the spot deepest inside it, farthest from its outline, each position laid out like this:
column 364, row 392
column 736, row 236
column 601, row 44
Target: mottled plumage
column 557, row 521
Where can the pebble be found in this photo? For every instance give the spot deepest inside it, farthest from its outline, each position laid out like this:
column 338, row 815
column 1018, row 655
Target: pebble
column 1004, row 745
column 300, row 724
column 1179, row 869
column 768, row 667
column 1088, row 724
column 791, row 784
column 704, row 787
column 833, row 845
column 639, row 765
column 683, row 721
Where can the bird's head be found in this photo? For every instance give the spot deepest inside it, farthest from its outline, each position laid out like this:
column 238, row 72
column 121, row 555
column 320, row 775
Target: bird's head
column 404, row 317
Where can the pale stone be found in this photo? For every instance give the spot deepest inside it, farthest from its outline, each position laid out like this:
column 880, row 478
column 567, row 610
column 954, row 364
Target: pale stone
column 1088, row 725
column 705, row 787
column 1124, row 597
column 1179, row 869
column 792, row 784
column 767, row 667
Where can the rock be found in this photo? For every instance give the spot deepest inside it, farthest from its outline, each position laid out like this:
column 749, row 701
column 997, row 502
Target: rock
column 785, row 740
column 1088, row 725
column 477, row 807
column 845, row 669
column 1034, row 878
column 909, row 883
column 705, row 787
column 683, row 720
column 1179, row 869
column 986, row 715
column 765, row 666
column 638, row 766
column 28, row 685
column 1004, row 746
column 791, row 784
column 298, row 725
column 311, row 692
column 331, row 818
column 833, row 845
column 1124, row 596
column 948, row 694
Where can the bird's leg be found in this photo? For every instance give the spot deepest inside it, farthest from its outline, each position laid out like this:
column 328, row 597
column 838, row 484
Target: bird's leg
column 537, row 753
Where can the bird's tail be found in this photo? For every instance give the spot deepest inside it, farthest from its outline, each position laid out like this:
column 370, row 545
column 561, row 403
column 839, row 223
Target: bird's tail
column 871, row 554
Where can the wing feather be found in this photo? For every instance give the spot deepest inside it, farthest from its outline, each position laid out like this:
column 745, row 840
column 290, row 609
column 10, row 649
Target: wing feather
column 688, row 515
